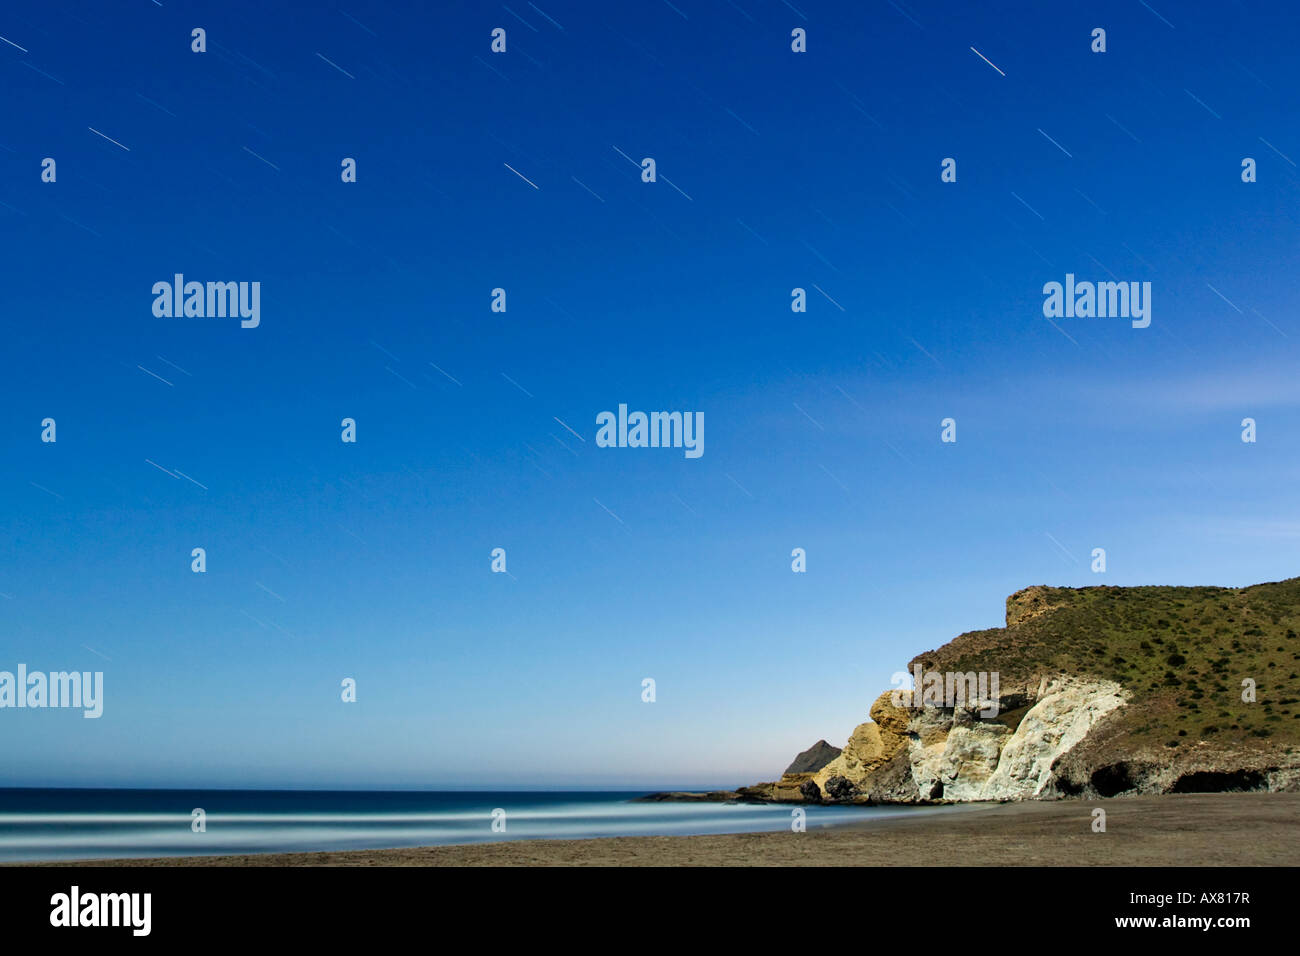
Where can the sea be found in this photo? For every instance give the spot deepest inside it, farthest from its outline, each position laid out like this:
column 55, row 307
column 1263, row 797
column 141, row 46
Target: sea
column 76, row 824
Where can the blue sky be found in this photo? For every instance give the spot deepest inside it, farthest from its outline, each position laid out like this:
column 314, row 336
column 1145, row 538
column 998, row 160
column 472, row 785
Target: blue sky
column 776, row 170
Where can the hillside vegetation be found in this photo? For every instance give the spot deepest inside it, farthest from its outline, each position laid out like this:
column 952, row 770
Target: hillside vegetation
column 1183, row 653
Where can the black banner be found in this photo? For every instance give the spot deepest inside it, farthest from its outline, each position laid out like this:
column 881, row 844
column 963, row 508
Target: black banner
column 305, row 905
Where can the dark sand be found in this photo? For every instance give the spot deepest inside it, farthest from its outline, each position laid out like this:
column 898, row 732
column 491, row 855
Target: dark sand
column 1211, row 829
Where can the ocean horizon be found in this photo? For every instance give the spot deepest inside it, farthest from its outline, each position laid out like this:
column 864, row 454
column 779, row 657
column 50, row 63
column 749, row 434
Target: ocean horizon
column 44, row 825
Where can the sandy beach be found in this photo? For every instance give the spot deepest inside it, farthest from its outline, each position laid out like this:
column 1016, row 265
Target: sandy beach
column 1219, row 829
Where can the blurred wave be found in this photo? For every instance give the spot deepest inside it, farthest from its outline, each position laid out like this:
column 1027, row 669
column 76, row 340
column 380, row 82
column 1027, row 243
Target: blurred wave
column 80, row 824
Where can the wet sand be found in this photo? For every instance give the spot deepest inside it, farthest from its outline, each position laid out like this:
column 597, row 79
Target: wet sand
column 1218, row 829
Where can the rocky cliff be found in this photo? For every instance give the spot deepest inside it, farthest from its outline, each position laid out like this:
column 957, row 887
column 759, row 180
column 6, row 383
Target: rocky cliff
column 814, row 758
column 1094, row 692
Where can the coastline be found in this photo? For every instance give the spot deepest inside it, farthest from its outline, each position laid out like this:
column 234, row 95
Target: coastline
column 1195, row 829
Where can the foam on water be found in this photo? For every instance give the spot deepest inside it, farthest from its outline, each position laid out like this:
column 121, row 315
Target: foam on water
column 79, row 824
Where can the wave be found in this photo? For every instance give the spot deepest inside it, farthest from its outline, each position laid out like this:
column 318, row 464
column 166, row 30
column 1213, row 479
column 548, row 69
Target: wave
column 32, row 833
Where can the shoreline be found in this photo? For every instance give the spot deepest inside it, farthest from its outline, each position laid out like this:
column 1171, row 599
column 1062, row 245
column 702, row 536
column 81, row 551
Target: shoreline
column 1195, row 829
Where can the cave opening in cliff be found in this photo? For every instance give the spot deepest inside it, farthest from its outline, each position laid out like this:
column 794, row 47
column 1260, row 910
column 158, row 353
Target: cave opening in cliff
column 1213, row 781
column 1112, row 779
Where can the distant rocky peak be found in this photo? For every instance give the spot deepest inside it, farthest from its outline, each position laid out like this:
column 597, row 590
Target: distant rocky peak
column 814, row 758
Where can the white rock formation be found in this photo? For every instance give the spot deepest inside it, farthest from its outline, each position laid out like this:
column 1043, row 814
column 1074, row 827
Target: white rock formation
column 1061, row 718
column 971, row 759
column 954, row 755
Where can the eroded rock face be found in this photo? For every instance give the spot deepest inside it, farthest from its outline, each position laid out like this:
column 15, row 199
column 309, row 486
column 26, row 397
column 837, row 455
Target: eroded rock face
column 839, row 788
column 789, row 789
column 870, row 746
column 1284, row 780
column 758, row 793
column 890, row 718
column 970, row 758
column 1029, row 603
column 927, row 737
column 1060, row 719
column 1206, row 769
column 893, row 782
column 912, row 754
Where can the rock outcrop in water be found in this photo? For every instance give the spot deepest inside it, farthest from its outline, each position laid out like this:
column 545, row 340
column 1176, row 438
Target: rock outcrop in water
column 1100, row 692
